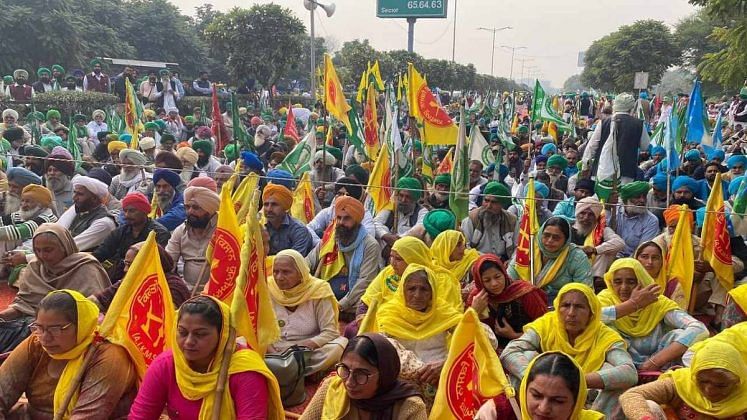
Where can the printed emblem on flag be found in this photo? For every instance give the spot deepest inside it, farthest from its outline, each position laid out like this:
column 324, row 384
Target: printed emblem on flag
column 226, row 250
column 146, row 324
column 461, row 390
column 430, row 109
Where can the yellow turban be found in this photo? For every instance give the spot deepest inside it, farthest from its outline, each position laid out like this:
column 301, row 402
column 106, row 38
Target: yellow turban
column 116, row 146
column 280, row 193
column 188, row 154
column 37, row 193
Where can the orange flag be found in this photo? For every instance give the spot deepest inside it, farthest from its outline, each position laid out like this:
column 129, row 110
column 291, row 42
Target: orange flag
column 380, row 181
column 447, row 164
column 714, row 238
column 141, row 316
column 224, row 248
column 334, row 97
column 331, row 260
column 303, row 207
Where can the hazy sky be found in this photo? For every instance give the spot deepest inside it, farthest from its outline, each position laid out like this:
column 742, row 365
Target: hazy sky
column 554, row 31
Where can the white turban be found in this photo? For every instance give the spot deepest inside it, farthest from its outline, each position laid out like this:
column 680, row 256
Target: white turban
column 137, row 158
column 147, row 143
column 329, row 160
column 12, row 112
column 95, row 186
column 98, row 112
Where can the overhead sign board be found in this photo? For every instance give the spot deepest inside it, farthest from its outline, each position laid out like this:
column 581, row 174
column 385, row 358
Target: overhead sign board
column 411, row 8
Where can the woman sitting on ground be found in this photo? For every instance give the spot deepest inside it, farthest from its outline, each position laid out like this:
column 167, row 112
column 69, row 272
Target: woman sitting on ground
column 450, row 252
column 367, row 385
column 503, row 304
column 306, row 310
column 657, row 331
column 714, row 387
column 178, row 288
column 58, row 265
column 736, row 306
column 183, row 380
column 575, row 328
column 44, row 367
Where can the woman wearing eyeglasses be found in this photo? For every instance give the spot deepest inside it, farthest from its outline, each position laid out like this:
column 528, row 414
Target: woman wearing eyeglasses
column 367, row 386
column 44, row 367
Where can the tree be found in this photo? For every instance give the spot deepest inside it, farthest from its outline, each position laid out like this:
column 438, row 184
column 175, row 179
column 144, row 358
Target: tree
column 674, row 82
column 573, row 84
column 646, row 45
column 262, row 42
column 353, row 59
column 300, row 69
column 693, row 35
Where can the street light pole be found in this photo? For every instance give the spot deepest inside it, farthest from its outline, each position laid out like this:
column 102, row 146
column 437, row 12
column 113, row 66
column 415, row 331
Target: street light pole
column 311, row 5
column 453, row 39
column 492, row 50
column 513, row 54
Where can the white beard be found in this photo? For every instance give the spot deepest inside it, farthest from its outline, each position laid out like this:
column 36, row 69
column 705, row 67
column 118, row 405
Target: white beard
column 58, row 184
column 634, row 210
column 30, row 214
column 582, row 230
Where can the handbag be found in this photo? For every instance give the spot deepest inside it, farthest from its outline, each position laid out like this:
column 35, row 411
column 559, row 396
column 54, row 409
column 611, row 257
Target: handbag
column 289, row 367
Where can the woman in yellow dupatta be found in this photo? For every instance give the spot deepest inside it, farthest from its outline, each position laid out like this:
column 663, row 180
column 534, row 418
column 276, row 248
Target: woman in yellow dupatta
column 657, row 331
column 575, row 328
column 450, row 252
column 200, row 339
column 736, row 306
column 714, row 387
column 653, row 258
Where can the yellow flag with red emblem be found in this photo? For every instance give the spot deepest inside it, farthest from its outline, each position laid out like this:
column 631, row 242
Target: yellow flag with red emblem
column 438, row 127
column 224, row 249
column 380, row 181
column 141, row 315
column 331, row 260
column 251, row 308
column 303, row 207
column 447, row 164
column 334, row 97
column 471, row 375
column 243, row 195
column 528, row 227
column 680, row 260
column 714, row 239
column 371, row 123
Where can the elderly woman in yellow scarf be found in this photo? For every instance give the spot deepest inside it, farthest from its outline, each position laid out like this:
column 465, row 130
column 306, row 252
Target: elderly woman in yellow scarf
column 714, row 387
column 306, row 310
column 736, row 306
column 657, row 331
column 576, row 329
column 183, row 380
column 450, row 252
column 45, row 366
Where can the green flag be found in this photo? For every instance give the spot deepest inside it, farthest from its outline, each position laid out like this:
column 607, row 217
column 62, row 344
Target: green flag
column 542, row 109
column 239, row 130
column 459, row 194
column 356, row 136
column 72, row 143
column 479, row 149
column 300, row 158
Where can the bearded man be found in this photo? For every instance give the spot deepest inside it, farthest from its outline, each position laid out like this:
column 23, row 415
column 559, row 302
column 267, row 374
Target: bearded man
column 286, row 232
column 439, row 199
column 601, row 245
column 21, row 90
column 207, row 164
column 490, row 228
column 19, row 226
column 556, row 164
column 170, row 212
column 132, row 178
column 189, row 158
column 323, row 176
column 59, row 170
column 18, row 179
column 409, row 212
column 89, row 221
column 635, row 223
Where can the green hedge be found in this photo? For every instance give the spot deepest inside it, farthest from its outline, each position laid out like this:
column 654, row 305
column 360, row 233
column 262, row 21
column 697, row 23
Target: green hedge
column 66, row 102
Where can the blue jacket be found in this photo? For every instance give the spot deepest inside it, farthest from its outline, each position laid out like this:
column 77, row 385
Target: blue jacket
column 176, row 214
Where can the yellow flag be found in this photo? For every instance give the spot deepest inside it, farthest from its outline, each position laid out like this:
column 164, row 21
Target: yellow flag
column 471, row 375
column 224, row 249
column 360, row 96
column 680, row 260
column 243, row 195
column 380, row 181
column 334, row 97
column 374, row 73
column 155, row 211
column 438, row 127
column 331, row 260
column 303, row 207
column 251, row 307
column 371, row 123
column 714, row 238
column 141, row 316
column 528, row 227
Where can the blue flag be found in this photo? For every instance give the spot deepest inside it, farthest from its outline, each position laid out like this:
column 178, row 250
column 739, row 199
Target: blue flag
column 670, row 136
column 696, row 117
column 718, row 135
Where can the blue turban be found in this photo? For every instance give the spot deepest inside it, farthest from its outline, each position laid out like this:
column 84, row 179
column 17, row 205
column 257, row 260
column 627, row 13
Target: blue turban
column 282, row 177
column 716, row 154
column 549, row 147
column 540, row 158
column 734, row 185
column 502, row 171
column 659, row 181
column 23, row 176
column 692, row 155
column 685, row 181
column 251, row 161
column 168, row 175
column 541, row 189
column 658, row 150
column 127, row 138
column 735, row 160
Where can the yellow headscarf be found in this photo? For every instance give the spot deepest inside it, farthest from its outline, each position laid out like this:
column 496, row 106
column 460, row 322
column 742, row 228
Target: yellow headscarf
column 442, row 248
column 88, row 317
column 201, row 386
column 310, row 288
column 579, row 413
column 397, row 320
column 641, row 322
column 590, row 348
column 713, row 355
column 661, row 279
column 735, row 335
column 739, row 296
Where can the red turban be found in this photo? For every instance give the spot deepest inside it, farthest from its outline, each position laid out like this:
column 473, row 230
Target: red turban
column 138, row 201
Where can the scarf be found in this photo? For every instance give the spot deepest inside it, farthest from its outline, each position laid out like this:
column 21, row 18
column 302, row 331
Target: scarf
column 442, row 248
column 310, row 288
column 201, row 386
column 579, row 413
column 131, row 182
column 641, row 322
column 715, row 354
column 661, row 278
column 357, row 248
column 738, row 295
column 332, row 260
column 513, row 289
column 390, row 389
column 397, row 320
column 590, row 348
column 88, row 316
column 555, row 260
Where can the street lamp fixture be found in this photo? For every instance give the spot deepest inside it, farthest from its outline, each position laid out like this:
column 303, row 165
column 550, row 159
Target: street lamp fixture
column 492, row 50
column 310, row 5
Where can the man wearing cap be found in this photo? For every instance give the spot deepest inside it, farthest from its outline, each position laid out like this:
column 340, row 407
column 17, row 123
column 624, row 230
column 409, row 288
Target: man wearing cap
column 44, row 84
column 323, row 176
column 439, row 198
column 10, row 120
column 556, row 164
column 96, row 80
column 490, row 228
column 343, row 187
column 169, row 198
column 190, row 240
column 635, row 223
column 409, row 212
column 206, row 163
column 360, row 253
column 631, row 136
column 133, row 177
column 59, row 170
column 567, row 208
column 600, row 246
column 136, row 228
column 285, row 231
column 88, row 220
column 21, row 90
column 97, row 125
column 18, row 179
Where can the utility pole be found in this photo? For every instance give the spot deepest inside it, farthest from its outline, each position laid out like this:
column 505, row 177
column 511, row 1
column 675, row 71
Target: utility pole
column 453, row 40
column 523, row 60
column 513, row 55
column 492, row 50
column 410, row 33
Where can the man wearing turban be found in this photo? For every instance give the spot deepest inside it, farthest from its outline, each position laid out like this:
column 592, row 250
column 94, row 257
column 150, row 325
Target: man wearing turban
column 190, row 240
column 59, row 170
column 168, row 189
column 490, row 228
column 635, row 223
column 556, row 164
column 98, row 81
column 18, row 179
column 132, row 176
column 631, row 136
column 600, row 245
column 10, row 120
column 439, row 199
column 285, row 231
column 323, row 176
column 44, row 84
column 97, row 124
column 685, row 191
column 206, row 163
column 89, row 221
column 410, row 212
column 345, row 186
column 360, row 252
column 712, row 168
column 21, row 90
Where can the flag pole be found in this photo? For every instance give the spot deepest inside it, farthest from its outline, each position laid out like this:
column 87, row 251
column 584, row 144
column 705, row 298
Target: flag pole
column 531, row 235
column 220, row 386
column 59, row 415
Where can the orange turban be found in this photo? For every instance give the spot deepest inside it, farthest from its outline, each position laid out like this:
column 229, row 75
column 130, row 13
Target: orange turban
column 350, row 206
column 280, row 193
column 38, row 193
column 672, row 215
